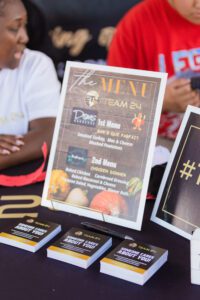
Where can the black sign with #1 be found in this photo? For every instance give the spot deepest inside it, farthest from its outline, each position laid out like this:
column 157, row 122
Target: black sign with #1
column 177, row 206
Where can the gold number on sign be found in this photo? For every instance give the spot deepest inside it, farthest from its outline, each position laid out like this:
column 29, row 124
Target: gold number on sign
column 36, row 200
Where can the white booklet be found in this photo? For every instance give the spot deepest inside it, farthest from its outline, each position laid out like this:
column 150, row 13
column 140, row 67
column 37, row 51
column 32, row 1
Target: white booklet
column 79, row 247
column 134, row 261
column 103, row 143
column 29, row 234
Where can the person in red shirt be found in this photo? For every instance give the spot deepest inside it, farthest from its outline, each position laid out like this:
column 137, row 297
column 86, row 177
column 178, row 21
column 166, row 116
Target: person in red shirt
column 162, row 35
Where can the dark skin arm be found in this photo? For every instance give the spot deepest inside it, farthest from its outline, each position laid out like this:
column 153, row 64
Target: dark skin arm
column 29, row 147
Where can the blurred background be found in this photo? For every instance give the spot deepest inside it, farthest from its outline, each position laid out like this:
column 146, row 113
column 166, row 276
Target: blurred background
column 78, row 30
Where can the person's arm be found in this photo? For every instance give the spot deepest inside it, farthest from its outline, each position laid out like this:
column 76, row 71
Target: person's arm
column 10, row 143
column 40, row 131
column 179, row 95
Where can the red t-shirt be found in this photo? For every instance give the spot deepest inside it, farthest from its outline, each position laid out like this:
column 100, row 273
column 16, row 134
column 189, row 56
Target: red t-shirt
column 154, row 36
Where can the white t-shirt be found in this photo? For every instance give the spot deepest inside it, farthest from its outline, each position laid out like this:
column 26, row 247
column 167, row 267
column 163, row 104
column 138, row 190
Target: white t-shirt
column 28, row 92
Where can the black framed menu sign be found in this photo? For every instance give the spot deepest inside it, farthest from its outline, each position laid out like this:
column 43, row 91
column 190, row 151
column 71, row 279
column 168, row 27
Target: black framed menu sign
column 177, row 206
column 103, row 143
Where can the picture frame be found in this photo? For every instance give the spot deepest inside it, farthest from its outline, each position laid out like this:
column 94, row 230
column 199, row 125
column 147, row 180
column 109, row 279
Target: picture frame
column 177, row 204
column 103, row 143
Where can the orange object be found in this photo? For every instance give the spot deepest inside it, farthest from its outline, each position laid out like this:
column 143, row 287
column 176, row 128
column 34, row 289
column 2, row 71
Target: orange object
column 109, row 203
column 138, row 121
column 59, row 186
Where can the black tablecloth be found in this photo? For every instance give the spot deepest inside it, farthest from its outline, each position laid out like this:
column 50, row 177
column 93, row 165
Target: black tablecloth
column 25, row 275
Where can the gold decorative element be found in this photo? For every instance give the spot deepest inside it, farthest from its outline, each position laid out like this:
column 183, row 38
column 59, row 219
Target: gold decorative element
column 36, row 200
column 75, row 41
column 105, row 36
column 17, row 239
column 69, row 252
column 123, row 265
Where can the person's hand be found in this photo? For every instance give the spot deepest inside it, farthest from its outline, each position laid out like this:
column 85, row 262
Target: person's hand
column 179, row 95
column 10, row 144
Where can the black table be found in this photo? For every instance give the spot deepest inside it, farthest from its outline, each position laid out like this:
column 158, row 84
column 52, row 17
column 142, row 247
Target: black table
column 25, row 275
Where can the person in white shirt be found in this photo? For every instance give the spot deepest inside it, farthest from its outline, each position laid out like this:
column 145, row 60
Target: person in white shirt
column 29, row 90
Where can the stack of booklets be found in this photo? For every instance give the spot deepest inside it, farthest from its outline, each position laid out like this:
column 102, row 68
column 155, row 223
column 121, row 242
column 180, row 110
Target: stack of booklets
column 134, row 262
column 29, row 234
column 79, row 247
